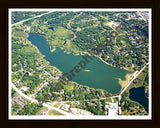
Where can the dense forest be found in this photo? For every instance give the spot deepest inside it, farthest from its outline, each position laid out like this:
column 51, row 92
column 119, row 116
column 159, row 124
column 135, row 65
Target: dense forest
column 21, row 15
column 69, row 92
column 30, row 109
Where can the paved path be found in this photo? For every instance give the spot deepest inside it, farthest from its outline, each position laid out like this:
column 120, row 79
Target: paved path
column 30, row 18
column 60, row 105
column 36, row 101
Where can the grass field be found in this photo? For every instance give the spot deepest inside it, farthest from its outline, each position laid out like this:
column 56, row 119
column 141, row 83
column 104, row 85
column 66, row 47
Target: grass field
column 62, row 33
column 57, row 104
column 140, row 79
column 63, row 39
column 69, row 86
column 29, row 50
column 19, row 34
column 15, row 65
column 139, row 82
column 54, row 112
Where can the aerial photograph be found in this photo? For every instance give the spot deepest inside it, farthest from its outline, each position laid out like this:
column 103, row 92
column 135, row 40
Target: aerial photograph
column 79, row 63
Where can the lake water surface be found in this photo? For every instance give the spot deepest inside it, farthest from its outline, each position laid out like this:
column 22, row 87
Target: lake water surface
column 97, row 74
column 138, row 94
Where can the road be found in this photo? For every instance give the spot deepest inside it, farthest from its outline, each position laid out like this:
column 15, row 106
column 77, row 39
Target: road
column 129, row 83
column 91, row 99
column 30, row 18
column 36, row 101
column 66, row 113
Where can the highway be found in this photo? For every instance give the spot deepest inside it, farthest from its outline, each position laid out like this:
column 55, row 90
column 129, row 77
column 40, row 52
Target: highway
column 66, row 113
column 30, row 18
column 36, row 101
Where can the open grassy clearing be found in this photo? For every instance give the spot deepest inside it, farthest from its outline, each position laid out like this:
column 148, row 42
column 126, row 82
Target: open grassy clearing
column 44, row 108
column 62, row 33
column 69, row 86
column 15, row 65
column 29, row 49
column 19, row 34
column 140, row 81
column 63, row 39
column 54, row 112
column 57, row 105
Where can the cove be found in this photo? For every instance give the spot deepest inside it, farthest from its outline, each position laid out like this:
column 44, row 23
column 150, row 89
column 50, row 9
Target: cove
column 96, row 74
column 138, row 94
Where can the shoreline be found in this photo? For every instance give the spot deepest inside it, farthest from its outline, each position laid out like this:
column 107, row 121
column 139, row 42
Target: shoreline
column 121, row 82
column 82, row 53
column 124, row 82
column 53, row 49
column 102, row 60
column 110, row 64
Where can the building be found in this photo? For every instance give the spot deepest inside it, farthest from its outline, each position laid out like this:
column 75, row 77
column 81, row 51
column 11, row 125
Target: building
column 24, row 88
column 112, row 24
column 113, row 109
column 66, row 107
column 112, row 112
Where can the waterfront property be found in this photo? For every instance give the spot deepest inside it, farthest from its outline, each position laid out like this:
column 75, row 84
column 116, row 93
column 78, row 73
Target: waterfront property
column 101, row 75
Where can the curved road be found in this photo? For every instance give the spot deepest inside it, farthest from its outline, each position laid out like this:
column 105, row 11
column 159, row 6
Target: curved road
column 36, row 101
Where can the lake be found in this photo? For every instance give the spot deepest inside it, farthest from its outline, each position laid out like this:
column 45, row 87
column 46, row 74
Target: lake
column 138, row 94
column 96, row 74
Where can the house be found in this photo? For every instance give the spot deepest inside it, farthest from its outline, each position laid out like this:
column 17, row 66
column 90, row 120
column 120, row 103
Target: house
column 24, row 88
column 106, row 59
column 62, row 92
column 28, row 29
column 66, row 107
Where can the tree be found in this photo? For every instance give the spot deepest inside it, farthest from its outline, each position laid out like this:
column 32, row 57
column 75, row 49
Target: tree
column 30, row 109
